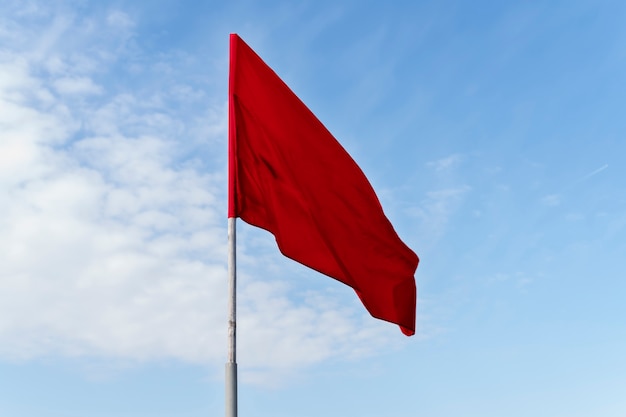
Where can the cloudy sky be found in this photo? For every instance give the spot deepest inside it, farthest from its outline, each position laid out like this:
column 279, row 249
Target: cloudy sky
column 493, row 132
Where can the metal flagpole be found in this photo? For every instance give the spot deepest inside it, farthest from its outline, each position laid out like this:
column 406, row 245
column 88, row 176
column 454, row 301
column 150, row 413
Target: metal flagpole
column 231, row 365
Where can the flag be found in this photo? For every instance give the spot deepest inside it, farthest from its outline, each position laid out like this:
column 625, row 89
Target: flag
column 290, row 176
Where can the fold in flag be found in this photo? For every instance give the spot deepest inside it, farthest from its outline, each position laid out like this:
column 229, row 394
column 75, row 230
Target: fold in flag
column 290, row 176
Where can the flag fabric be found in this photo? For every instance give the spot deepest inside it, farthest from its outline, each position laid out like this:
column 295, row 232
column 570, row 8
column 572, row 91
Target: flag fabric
column 290, row 176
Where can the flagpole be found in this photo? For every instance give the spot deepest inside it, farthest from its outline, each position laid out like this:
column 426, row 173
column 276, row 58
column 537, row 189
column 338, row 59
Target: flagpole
column 231, row 365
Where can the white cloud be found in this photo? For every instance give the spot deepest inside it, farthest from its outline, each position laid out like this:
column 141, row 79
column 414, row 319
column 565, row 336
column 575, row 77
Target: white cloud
column 76, row 85
column 551, row 200
column 437, row 208
column 445, row 163
column 574, row 217
column 595, row 172
column 120, row 20
column 81, row 276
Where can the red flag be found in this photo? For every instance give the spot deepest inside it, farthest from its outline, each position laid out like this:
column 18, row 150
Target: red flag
column 290, row 176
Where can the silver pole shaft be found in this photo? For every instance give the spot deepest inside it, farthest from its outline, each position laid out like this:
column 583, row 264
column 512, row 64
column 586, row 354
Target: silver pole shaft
column 231, row 365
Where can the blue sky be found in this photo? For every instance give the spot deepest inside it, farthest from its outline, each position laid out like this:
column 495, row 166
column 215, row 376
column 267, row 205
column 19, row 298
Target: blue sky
column 493, row 133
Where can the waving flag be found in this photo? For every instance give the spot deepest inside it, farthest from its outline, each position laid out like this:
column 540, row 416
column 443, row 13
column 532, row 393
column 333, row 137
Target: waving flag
column 290, row 176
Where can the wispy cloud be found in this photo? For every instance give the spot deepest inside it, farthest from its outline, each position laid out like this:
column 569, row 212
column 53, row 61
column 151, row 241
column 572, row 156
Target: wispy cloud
column 521, row 280
column 595, row 172
column 551, row 200
column 120, row 20
column 445, row 163
column 437, row 208
column 555, row 199
column 76, row 85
